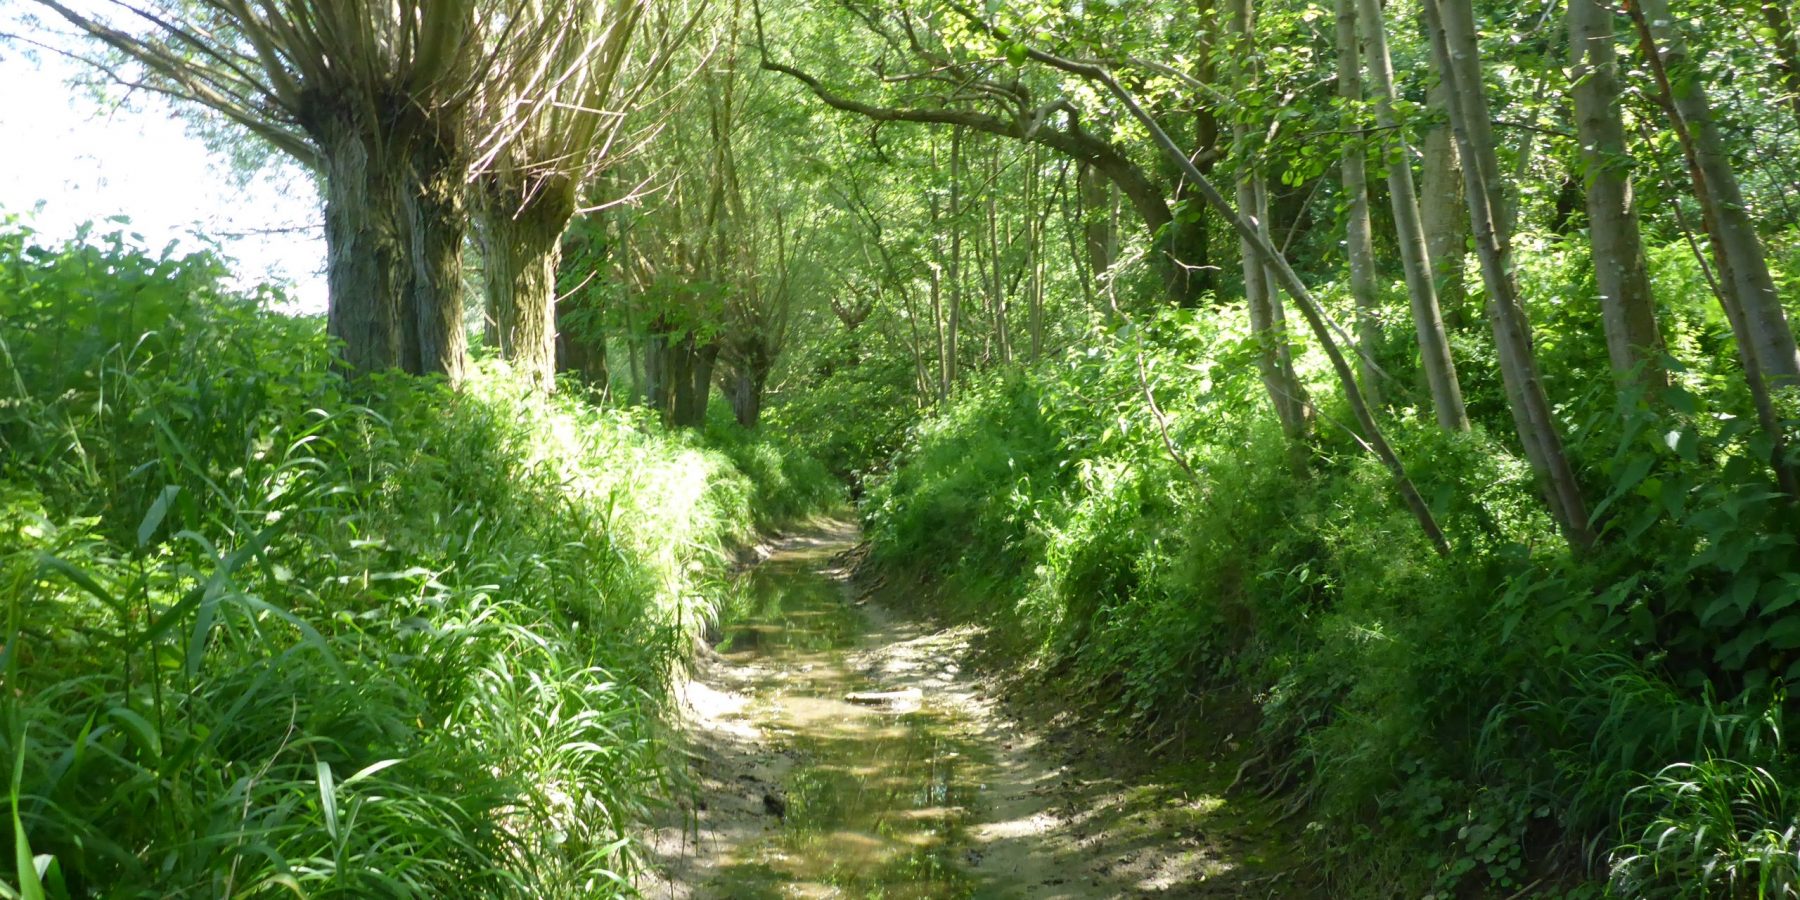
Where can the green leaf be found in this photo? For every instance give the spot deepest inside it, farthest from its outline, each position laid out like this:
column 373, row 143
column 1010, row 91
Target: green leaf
column 328, row 798
column 153, row 519
column 1785, row 634
column 82, row 580
column 31, row 886
column 139, row 729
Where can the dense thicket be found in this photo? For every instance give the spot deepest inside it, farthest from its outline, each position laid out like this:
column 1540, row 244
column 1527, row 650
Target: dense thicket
column 267, row 631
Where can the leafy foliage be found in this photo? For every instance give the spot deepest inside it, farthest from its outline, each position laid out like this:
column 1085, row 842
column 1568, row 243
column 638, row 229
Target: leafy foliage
column 1509, row 715
column 270, row 633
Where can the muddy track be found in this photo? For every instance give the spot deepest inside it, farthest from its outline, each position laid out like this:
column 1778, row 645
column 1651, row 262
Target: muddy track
column 839, row 748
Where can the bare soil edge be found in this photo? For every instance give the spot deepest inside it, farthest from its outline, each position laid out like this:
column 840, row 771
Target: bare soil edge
column 1069, row 813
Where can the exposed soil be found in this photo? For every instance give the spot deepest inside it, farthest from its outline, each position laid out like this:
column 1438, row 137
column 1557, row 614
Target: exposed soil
column 841, row 748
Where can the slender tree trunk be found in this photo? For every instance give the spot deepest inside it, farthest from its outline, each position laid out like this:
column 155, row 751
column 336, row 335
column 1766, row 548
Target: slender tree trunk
column 1452, row 32
column 1627, row 308
column 1371, row 436
column 937, row 322
column 1511, row 201
column 1096, row 217
column 1787, row 64
column 1743, row 264
column 917, row 341
column 956, row 280
column 1274, row 359
column 1273, row 316
column 1034, row 248
column 1359, row 242
column 1745, row 296
column 1428, row 320
column 937, row 290
column 1441, row 211
column 997, row 291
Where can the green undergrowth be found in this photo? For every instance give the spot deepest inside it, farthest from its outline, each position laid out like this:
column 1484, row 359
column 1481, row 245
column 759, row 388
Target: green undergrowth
column 271, row 634
column 788, row 484
column 1510, row 718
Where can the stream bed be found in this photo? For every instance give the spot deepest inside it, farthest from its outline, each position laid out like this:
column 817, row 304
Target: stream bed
column 840, row 747
column 879, row 784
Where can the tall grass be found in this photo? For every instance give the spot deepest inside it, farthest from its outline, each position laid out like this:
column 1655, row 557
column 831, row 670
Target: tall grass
column 270, row 634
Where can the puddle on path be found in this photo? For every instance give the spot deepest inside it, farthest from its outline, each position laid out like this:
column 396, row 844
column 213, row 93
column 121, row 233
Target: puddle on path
column 878, row 796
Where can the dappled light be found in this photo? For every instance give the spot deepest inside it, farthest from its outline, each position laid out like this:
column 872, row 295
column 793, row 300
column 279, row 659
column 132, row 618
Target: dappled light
column 904, row 449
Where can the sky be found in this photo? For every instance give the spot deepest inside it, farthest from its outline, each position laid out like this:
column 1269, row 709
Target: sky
column 85, row 161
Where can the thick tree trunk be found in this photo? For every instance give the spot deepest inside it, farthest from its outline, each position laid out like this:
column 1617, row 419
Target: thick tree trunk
column 663, row 368
column 1747, row 279
column 368, row 268
column 1441, row 212
column 1359, row 244
column 522, row 243
column 438, row 218
column 1454, row 46
column 1098, row 237
column 748, row 382
column 581, row 350
column 1183, row 250
column 1428, row 319
column 1627, row 308
column 693, row 394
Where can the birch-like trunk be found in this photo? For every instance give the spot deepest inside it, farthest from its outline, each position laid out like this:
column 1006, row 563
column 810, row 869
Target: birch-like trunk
column 1454, row 47
column 1627, row 308
column 1359, row 244
column 1421, row 288
column 1273, row 357
column 1747, row 280
column 1441, row 211
column 1787, row 50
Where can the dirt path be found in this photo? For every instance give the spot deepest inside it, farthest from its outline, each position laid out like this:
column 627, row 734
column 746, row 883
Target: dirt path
column 841, row 749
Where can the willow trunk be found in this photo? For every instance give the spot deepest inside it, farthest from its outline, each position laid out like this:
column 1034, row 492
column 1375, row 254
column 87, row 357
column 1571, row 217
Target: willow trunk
column 522, row 244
